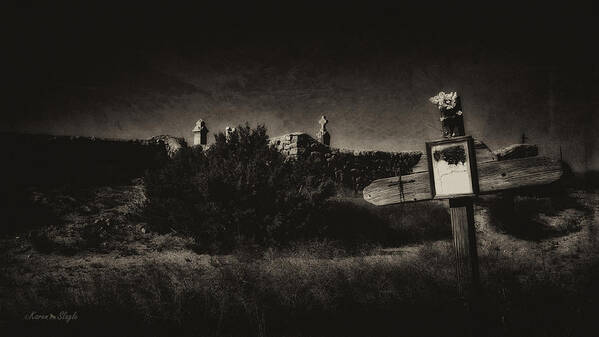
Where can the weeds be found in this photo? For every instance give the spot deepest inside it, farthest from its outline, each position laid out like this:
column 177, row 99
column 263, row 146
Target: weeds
column 309, row 289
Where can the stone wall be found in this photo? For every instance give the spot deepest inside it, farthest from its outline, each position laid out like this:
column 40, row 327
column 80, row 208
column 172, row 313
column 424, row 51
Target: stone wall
column 351, row 170
column 296, row 145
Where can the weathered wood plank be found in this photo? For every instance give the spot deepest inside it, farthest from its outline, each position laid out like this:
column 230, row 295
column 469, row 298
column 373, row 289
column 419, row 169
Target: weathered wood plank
column 493, row 176
column 387, row 191
column 461, row 212
column 517, row 151
column 516, row 173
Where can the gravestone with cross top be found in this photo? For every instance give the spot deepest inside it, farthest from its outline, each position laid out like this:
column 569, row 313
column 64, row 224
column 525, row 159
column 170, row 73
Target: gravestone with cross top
column 200, row 133
column 456, row 169
column 323, row 135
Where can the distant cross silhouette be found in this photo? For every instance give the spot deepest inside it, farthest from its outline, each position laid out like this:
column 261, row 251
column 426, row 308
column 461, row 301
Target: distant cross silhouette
column 323, row 123
column 323, row 135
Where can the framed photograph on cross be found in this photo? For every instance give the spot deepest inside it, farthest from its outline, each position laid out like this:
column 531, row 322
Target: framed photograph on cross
column 452, row 167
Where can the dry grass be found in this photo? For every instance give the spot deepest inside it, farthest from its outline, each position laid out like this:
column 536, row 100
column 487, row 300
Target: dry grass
column 227, row 295
column 159, row 286
column 298, row 293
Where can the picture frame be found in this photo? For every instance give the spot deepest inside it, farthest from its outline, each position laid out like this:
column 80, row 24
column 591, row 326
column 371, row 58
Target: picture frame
column 452, row 167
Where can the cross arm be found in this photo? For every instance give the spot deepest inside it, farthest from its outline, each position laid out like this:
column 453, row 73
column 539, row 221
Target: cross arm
column 493, row 176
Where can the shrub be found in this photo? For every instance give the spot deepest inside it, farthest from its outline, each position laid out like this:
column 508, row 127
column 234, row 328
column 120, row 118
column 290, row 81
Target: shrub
column 240, row 190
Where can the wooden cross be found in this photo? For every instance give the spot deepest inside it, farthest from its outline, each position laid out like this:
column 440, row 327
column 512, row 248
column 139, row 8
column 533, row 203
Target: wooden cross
column 459, row 155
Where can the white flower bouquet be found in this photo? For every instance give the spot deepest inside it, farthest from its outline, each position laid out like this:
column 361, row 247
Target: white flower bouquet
column 450, row 107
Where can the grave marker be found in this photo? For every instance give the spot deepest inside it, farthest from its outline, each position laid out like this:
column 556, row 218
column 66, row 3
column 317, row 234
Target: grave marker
column 200, row 132
column 323, row 135
column 459, row 168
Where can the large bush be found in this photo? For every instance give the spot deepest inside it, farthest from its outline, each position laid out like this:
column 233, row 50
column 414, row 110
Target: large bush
column 240, row 190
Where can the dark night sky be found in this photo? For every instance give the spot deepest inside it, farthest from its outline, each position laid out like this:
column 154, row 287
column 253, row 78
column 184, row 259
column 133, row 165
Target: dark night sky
column 138, row 70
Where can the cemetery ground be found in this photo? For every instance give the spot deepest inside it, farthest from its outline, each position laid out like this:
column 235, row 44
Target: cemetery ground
column 94, row 257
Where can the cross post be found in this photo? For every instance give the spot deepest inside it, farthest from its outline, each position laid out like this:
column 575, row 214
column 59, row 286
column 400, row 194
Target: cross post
column 461, row 209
